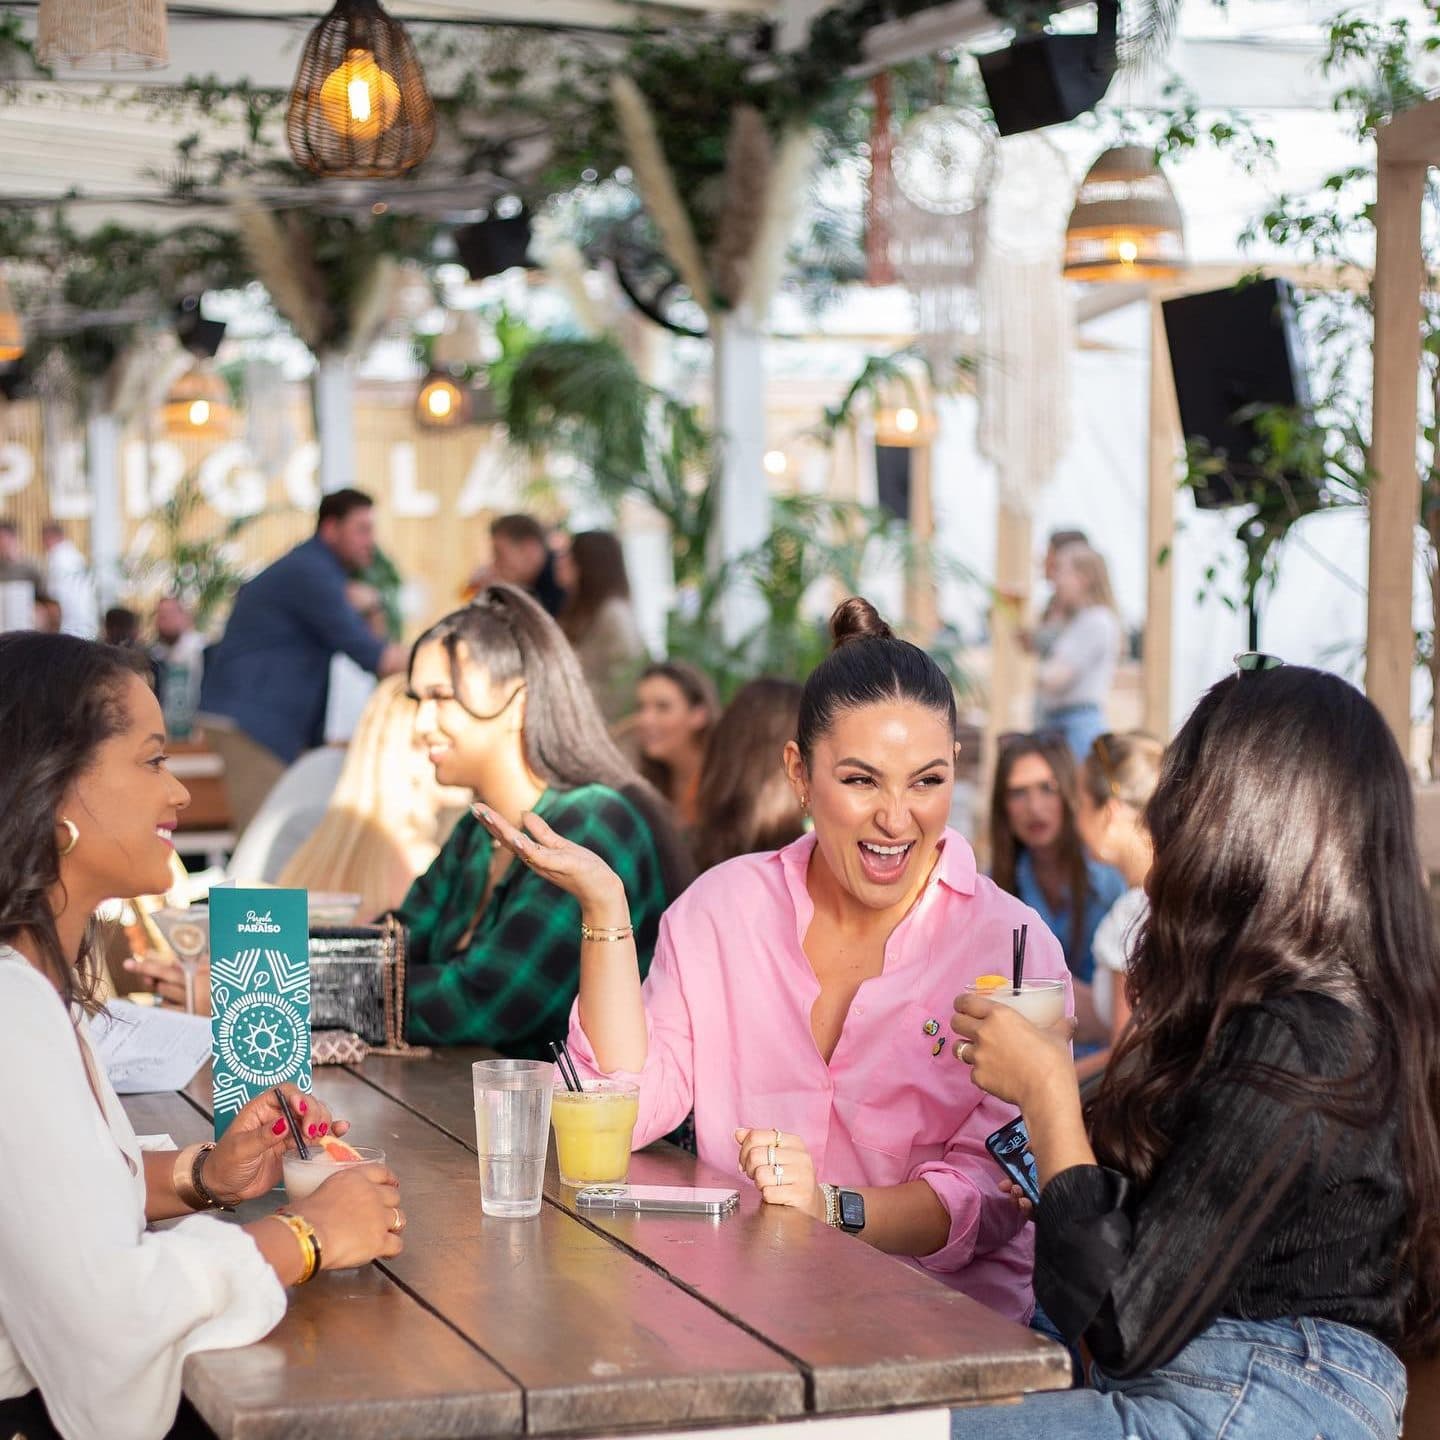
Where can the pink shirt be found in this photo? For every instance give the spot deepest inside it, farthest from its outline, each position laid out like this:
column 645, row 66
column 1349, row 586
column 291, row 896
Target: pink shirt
column 727, row 1012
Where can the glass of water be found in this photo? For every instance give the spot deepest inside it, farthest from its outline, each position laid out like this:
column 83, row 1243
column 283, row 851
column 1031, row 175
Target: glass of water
column 512, row 1133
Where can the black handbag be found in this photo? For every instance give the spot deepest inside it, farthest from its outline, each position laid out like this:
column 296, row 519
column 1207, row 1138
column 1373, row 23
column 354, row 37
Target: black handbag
column 357, row 983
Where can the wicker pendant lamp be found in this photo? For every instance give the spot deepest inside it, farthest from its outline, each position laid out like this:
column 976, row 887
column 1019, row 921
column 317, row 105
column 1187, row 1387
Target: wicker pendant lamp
column 1126, row 224
column 198, row 407
column 102, row 34
column 442, row 402
column 12, row 333
column 359, row 107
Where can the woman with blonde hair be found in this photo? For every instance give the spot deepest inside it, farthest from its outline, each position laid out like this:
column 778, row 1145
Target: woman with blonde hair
column 1074, row 679
column 388, row 816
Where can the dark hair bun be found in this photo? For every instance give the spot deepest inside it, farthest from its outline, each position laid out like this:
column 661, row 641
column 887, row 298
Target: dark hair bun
column 857, row 619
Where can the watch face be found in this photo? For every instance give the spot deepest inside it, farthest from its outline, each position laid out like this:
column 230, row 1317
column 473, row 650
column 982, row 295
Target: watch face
column 852, row 1210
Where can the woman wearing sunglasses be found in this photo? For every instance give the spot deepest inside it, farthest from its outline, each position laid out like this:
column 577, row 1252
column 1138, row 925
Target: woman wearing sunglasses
column 1242, row 1226
column 505, row 712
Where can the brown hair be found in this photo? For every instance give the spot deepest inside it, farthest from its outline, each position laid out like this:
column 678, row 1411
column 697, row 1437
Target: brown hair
column 1093, row 571
column 61, row 699
column 1122, row 767
column 517, row 529
column 506, row 634
column 1286, row 861
column 746, row 802
column 599, row 576
column 699, row 690
column 1004, row 849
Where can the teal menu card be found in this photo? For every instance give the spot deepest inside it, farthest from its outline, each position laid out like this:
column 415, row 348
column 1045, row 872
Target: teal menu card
column 259, row 994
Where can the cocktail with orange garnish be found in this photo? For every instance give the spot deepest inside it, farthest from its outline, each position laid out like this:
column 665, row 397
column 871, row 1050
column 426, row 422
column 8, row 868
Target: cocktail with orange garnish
column 1041, row 1002
column 328, row 1156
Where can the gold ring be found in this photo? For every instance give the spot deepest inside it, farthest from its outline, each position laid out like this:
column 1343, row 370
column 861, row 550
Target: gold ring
column 399, row 1223
column 779, row 1139
column 965, row 1054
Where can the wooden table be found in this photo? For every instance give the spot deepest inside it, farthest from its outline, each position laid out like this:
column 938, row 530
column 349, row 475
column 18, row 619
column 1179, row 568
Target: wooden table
column 567, row 1325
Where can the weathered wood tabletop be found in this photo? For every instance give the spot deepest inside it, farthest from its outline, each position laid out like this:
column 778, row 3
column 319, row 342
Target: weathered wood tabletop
column 568, row 1325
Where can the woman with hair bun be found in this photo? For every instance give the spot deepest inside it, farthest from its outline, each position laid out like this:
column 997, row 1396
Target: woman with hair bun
column 796, row 999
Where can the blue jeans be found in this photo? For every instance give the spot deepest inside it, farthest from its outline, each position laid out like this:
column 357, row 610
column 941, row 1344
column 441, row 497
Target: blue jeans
column 1237, row 1380
column 1078, row 725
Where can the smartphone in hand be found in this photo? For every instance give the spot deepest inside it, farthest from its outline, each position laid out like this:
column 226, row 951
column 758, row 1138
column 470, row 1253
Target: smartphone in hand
column 1010, row 1145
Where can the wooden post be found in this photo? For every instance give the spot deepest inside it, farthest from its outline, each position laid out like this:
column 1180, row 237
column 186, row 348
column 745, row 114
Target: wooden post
column 921, row 609
column 1160, row 531
column 1394, row 495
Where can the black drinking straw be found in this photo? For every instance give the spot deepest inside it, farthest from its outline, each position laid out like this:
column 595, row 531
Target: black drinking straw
column 1018, row 937
column 301, row 1147
column 562, row 1056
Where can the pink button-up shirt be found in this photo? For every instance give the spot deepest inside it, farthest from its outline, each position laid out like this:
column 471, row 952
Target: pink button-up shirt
column 727, row 1012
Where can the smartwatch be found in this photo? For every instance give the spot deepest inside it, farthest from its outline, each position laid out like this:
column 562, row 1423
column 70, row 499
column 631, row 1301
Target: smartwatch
column 851, row 1211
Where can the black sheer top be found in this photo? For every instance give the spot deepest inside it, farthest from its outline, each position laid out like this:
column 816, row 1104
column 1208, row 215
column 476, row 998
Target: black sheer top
column 1265, row 1207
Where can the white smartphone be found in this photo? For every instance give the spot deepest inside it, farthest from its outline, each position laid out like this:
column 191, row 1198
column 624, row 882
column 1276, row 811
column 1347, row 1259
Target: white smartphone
column 677, row 1199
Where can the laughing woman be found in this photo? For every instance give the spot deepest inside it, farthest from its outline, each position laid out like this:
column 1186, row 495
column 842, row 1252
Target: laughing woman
column 504, row 712
column 1246, row 1232
column 97, row 1310
column 796, row 998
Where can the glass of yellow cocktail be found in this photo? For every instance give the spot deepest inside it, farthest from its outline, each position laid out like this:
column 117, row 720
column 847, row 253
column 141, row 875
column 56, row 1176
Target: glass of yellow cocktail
column 593, row 1130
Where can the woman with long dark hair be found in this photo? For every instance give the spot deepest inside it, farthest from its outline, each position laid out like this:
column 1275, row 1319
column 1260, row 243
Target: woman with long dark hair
column 97, row 1310
column 746, row 802
column 505, row 713
column 599, row 620
column 676, row 708
column 1036, row 853
column 797, row 998
column 1248, row 1233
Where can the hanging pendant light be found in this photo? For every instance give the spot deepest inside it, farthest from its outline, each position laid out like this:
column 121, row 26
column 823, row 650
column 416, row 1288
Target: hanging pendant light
column 102, row 34
column 442, row 402
column 1126, row 224
column 359, row 107
column 903, row 415
column 12, row 333
column 198, row 407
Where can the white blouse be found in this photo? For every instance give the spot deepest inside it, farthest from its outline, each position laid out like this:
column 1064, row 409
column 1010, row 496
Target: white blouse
column 96, row 1310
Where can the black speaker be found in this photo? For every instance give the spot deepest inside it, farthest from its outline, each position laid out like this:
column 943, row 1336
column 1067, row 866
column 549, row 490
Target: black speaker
column 201, row 337
column 892, row 480
column 491, row 247
column 1230, row 349
column 1045, row 79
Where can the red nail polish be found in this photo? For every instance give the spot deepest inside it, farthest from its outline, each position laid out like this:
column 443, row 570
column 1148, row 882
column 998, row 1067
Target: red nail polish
column 278, row 1128
column 325, row 1128
column 302, row 1107
column 313, row 1132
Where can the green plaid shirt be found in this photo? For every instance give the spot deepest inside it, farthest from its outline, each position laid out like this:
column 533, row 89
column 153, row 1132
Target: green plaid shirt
column 512, row 986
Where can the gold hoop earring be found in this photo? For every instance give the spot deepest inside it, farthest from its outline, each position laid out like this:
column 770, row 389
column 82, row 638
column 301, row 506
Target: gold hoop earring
column 73, row 830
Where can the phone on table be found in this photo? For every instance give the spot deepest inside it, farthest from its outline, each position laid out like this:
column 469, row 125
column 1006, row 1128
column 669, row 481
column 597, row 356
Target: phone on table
column 676, row 1199
column 1010, row 1145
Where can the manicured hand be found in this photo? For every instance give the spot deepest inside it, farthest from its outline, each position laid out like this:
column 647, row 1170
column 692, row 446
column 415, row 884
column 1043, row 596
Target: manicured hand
column 779, row 1166
column 357, row 1216
column 1008, row 1056
column 166, row 978
column 577, row 871
column 247, row 1161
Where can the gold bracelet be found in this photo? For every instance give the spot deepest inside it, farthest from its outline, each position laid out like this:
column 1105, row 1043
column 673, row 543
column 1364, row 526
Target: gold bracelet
column 186, row 1177
column 304, row 1233
column 602, row 934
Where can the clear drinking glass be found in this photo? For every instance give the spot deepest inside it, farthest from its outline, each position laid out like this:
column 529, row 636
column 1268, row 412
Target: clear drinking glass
column 304, row 1177
column 512, row 1133
column 1041, row 1002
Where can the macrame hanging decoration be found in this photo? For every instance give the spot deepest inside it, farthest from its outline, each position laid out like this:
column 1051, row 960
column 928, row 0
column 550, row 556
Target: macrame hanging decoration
column 102, row 35
column 1023, row 382
column 942, row 164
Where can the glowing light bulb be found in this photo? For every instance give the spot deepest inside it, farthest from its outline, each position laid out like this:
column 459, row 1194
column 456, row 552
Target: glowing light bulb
column 1128, row 251
column 439, row 402
column 358, row 99
column 907, row 421
column 199, row 413
column 775, row 462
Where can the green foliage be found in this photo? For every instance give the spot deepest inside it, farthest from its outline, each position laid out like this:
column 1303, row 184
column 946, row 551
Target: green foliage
column 190, row 559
